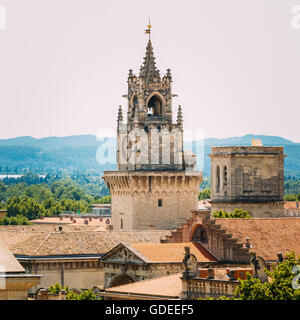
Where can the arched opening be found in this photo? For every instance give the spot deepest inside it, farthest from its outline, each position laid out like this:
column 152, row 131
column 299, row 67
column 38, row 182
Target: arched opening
column 121, row 279
column 155, row 106
column 134, row 105
column 225, row 179
column 199, row 234
column 218, row 179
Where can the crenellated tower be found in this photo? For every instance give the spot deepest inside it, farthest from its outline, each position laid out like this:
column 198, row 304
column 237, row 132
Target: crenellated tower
column 156, row 184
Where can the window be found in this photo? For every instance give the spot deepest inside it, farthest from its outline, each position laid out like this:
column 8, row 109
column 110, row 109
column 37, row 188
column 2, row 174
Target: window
column 199, row 234
column 154, row 106
column 121, row 223
column 218, row 179
column 160, row 202
column 134, row 105
column 225, row 180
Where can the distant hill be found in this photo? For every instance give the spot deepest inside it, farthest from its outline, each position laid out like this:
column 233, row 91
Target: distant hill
column 78, row 153
column 246, row 141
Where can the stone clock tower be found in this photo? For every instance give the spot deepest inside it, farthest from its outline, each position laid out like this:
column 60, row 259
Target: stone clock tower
column 156, row 185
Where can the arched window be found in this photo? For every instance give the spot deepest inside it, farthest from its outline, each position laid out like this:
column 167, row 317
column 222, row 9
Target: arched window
column 199, row 234
column 218, row 179
column 134, row 105
column 154, row 106
column 225, row 178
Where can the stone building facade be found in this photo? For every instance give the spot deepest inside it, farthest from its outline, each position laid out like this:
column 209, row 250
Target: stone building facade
column 156, row 184
column 14, row 281
column 249, row 178
column 234, row 241
column 71, row 258
column 74, row 272
column 137, row 262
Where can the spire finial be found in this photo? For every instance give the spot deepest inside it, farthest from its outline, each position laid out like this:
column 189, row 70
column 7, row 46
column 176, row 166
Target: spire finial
column 179, row 116
column 148, row 31
column 148, row 69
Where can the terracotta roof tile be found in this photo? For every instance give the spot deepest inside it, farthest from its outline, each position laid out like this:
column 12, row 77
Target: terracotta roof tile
column 73, row 242
column 291, row 205
column 166, row 286
column 171, row 252
column 268, row 236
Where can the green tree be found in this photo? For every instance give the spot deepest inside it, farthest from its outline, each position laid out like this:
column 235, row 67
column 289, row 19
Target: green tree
column 55, row 289
column 204, row 194
column 18, row 220
column 71, row 295
column 27, row 207
column 279, row 287
column 237, row 213
column 105, row 200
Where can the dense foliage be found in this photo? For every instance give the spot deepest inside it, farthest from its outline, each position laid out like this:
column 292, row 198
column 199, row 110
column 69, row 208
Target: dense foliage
column 280, row 286
column 204, row 194
column 292, row 186
column 237, row 213
column 71, row 295
column 283, row 284
column 32, row 197
column 18, row 220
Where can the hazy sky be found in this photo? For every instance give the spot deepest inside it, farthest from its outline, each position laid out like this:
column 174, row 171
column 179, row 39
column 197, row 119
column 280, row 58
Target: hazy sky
column 64, row 64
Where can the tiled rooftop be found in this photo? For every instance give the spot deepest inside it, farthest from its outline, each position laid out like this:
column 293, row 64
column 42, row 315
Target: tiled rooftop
column 73, row 242
column 79, row 221
column 166, row 286
column 268, row 236
column 292, row 205
column 171, row 252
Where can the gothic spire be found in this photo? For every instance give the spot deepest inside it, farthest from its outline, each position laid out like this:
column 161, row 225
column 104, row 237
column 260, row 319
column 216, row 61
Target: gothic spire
column 120, row 115
column 179, row 116
column 148, row 69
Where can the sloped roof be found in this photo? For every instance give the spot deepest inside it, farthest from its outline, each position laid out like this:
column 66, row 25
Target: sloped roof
column 291, row 205
column 171, row 252
column 268, row 236
column 8, row 263
column 73, row 242
column 166, row 286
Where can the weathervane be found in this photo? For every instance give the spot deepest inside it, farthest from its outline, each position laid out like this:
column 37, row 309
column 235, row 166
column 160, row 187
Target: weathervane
column 148, row 31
